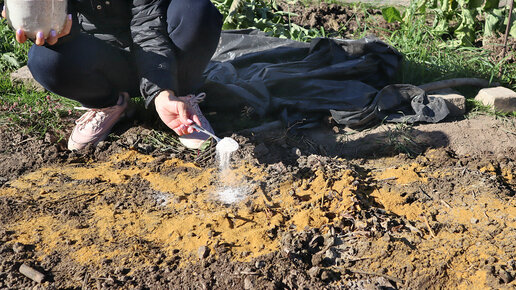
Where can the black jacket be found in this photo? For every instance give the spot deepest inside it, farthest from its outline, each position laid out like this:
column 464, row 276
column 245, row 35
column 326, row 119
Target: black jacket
column 136, row 25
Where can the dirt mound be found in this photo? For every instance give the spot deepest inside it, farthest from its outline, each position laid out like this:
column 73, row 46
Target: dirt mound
column 336, row 20
column 115, row 217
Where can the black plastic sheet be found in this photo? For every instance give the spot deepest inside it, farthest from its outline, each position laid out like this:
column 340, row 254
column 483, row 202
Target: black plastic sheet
column 302, row 82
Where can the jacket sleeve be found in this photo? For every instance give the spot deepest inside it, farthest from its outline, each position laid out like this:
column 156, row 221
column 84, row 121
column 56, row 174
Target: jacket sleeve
column 152, row 48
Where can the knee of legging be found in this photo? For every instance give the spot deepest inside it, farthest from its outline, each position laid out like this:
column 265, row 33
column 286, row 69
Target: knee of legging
column 201, row 17
column 47, row 68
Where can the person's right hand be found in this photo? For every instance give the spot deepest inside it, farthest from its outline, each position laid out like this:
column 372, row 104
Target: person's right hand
column 40, row 39
column 175, row 113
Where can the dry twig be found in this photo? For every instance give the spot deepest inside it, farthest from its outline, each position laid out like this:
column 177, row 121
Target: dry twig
column 445, row 203
column 429, row 228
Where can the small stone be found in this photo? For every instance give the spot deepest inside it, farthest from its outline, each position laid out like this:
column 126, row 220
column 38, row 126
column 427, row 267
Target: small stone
column 455, row 102
column 18, row 247
column 297, row 151
column 474, row 220
column 330, row 255
column 360, row 224
column 314, row 272
column 317, row 259
column 23, row 76
column 501, row 98
column 325, row 275
column 49, row 138
column 259, row 264
column 506, row 277
column 386, row 238
column 31, row 273
column 203, row 252
column 248, row 284
column 131, row 141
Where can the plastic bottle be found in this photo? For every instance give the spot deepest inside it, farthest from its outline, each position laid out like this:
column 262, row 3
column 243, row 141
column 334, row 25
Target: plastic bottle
column 33, row 16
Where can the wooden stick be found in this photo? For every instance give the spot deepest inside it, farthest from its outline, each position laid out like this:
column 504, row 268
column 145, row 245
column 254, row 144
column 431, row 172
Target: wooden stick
column 507, row 29
column 429, row 228
column 445, row 203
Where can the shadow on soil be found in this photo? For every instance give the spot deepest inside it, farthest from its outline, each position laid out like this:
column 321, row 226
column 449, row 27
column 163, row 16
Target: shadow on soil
column 379, row 142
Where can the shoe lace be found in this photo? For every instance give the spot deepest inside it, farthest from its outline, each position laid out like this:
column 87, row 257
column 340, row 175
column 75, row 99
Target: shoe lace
column 196, row 99
column 94, row 117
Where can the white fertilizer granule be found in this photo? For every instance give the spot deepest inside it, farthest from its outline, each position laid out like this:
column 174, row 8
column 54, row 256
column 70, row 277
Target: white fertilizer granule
column 229, row 195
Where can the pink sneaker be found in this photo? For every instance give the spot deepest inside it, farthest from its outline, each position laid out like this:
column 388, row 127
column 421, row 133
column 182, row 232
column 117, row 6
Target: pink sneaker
column 196, row 139
column 95, row 125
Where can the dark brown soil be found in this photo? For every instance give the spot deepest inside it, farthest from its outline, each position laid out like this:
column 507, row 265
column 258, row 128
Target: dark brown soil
column 339, row 21
column 467, row 202
column 348, row 210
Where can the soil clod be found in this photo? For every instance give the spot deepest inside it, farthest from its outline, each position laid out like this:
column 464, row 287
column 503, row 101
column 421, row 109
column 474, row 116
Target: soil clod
column 203, row 252
column 32, row 273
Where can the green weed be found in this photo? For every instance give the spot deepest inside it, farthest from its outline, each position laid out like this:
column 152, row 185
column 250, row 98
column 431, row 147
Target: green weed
column 33, row 112
column 13, row 55
column 477, row 108
column 429, row 58
column 400, row 139
column 463, row 20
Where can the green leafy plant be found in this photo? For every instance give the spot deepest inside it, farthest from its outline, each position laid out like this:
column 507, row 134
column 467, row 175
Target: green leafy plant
column 463, row 20
column 262, row 15
column 13, row 55
column 391, row 14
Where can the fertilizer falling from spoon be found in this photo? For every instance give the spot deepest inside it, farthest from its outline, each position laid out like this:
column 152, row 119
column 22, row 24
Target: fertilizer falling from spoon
column 224, row 148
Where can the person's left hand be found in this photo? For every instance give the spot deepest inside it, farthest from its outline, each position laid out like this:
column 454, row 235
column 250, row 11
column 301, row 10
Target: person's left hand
column 174, row 113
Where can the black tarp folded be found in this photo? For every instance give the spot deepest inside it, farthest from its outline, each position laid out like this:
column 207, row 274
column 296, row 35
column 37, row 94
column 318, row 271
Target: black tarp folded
column 301, row 82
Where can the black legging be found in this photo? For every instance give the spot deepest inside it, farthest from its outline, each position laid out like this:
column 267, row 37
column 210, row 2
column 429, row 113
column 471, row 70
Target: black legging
column 94, row 72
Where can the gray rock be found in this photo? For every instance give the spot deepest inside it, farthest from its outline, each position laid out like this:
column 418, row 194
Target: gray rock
column 314, row 272
column 455, row 102
column 248, row 284
column 259, row 264
column 331, row 254
column 325, row 275
column 317, row 258
column 203, row 252
column 506, row 277
column 18, row 247
column 501, row 98
column 23, row 76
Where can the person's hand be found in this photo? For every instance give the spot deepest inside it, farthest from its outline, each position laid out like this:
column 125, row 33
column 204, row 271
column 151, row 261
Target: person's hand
column 40, row 38
column 174, row 113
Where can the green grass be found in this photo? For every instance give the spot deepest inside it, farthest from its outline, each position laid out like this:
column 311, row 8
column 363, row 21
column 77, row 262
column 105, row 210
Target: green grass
column 31, row 112
column 12, row 54
column 427, row 58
